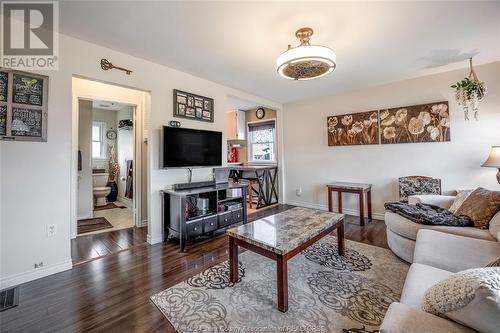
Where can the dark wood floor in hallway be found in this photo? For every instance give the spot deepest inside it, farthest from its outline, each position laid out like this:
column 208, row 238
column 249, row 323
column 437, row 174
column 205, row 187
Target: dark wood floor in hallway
column 111, row 294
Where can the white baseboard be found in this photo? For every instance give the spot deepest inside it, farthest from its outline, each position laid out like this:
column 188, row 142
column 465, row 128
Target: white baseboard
column 347, row 211
column 34, row 274
column 155, row 240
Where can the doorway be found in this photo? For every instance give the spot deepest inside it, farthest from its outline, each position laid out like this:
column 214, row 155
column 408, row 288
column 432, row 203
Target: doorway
column 109, row 196
column 105, row 171
column 253, row 151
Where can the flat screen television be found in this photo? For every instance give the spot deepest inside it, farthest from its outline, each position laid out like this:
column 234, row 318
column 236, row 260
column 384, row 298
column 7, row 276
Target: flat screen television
column 185, row 147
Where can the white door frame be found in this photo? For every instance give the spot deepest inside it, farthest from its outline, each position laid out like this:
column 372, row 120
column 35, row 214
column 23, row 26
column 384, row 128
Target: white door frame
column 137, row 167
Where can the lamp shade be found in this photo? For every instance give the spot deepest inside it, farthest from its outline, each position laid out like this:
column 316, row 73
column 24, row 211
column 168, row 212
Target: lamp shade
column 493, row 160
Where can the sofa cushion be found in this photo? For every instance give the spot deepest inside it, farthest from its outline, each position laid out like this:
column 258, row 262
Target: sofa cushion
column 470, row 297
column 453, row 253
column 418, row 280
column 481, row 206
column 495, row 226
column 494, row 263
column 408, row 229
column 401, row 318
column 443, row 201
column 459, row 200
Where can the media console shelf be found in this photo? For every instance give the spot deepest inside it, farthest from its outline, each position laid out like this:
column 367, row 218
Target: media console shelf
column 184, row 223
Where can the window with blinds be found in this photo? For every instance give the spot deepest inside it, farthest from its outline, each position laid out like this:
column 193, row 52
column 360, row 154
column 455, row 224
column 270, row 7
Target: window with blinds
column 262, row 141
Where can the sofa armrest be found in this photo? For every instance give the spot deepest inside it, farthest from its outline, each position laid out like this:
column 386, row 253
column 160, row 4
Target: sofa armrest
column 401, row 318
column 443, row 201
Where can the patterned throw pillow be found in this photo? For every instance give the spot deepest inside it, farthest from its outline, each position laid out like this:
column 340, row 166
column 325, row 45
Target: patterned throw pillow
column 480, row 206
column 470, row 297
column 494, row 263
column 459, row 200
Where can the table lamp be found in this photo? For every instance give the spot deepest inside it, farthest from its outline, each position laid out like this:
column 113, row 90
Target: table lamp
column 493, row 160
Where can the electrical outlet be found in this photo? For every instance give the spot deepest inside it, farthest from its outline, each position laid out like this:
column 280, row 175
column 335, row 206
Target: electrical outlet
column 51, row 230
column 298, row 191
column 38, row 264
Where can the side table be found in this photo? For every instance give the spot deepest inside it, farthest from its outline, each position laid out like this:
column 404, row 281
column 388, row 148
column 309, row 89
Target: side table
column 357, row 188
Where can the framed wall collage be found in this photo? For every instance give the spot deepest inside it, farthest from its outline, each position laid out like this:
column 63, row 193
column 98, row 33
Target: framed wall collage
column 23, row 106
column 191, row 106
column 409, row 124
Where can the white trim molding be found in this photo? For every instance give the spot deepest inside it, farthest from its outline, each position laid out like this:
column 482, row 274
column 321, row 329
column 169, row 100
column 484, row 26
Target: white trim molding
column 347, row 211
column 152, row 241
column 34, row 274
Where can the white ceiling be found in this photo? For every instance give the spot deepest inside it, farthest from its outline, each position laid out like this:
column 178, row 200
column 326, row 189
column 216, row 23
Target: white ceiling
column 105, row 105
column 236, row 43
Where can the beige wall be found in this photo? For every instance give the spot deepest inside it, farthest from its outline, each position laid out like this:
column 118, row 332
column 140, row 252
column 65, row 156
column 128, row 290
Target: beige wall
column 310, row 163
column 48, row 169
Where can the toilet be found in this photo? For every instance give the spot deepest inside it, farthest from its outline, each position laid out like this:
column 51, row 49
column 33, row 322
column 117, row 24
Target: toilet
column 101, row 191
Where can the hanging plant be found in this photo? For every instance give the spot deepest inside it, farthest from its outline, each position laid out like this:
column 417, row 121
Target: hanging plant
column 469, row 92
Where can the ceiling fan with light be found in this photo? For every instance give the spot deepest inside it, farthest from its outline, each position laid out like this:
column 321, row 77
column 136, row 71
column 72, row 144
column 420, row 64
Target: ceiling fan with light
column 306, row 61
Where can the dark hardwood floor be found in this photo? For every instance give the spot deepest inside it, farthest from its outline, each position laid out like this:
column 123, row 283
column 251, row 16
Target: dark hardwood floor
column 111, row 294
column 89, row 247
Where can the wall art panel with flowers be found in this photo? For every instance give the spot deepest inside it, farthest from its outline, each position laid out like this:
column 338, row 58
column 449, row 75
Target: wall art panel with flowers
column 417, row 123
column 353, row 129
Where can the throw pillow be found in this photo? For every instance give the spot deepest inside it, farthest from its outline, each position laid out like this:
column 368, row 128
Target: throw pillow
column 494, row 263
column 471, row 298
column 480, row 206
column 459, row 200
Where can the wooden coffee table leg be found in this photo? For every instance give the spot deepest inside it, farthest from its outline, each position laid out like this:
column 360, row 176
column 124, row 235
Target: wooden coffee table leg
column 340, row 238
column 361, row 208
column 330, row 203
column 339, row 201
column 233, row 261
column 369, row 203
column 282, row 270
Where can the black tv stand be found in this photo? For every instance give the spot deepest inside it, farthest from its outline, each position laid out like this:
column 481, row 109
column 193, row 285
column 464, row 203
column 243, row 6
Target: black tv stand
column 181, row 223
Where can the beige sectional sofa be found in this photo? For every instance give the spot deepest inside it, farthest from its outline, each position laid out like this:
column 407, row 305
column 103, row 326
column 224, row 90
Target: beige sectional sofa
column 402, row 233
column 436, row 252
column 437, row 256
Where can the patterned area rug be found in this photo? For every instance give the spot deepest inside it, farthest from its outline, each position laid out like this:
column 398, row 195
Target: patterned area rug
column 326, row 293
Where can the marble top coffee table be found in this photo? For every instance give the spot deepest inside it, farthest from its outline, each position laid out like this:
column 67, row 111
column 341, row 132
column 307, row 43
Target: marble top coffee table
column 280, row 237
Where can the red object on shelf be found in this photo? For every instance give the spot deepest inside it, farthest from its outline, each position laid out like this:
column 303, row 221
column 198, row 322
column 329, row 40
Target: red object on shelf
column 232, row 155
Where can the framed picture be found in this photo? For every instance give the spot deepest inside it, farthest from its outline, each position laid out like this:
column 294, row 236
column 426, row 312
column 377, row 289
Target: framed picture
column 192, row 106
column 353, row 129
column 23, row 106
column 417, row 123
column 181, row 109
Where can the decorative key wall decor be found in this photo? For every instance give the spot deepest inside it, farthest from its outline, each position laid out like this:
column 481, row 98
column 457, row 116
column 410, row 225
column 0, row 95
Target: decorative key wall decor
column 23, row 106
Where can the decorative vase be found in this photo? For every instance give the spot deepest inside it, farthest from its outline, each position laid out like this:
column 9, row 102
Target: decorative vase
column 114, row 192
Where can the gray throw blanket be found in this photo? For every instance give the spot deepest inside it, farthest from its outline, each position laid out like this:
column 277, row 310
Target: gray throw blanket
column 428, row 214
